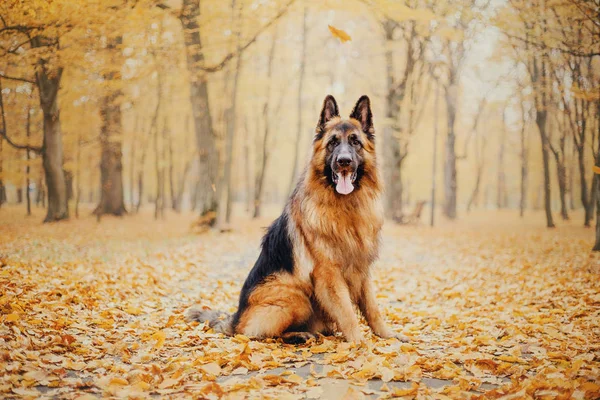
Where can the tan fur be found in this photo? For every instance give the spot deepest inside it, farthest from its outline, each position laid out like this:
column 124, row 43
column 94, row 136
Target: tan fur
column 335, row 240
column 275, row 305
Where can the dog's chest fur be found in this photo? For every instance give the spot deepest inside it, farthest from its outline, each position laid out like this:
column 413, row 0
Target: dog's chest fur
column 342, row 232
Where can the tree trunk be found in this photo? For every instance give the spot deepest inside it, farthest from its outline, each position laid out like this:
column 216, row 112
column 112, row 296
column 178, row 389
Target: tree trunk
column 231, row 126
column 163, row 167
column 248, row 169
column 539, row 79
column 562, row 187
column 583, row 186
column 524, row 171
column 262, row 173
column 597, row 243
column 181, row 190
column 501, row 188
column 475, row 193
column 561, row 170
column 140, row 185
column 2, row 189
column 593, row 193
column 78, row 177
column 450, row 184
column 436, row 124
column 52, row 155
column 112, row 199
column 157, row 168
column 69, row 183
column 28, row 166
column 595, row 180
column 132, row 162
column 199, row 99
column 145, row 143
column 172, row 189
column 195, row 195
column 224, row 196
column 392, row 154
column 480, row 161
column 524, row 175
column 299, row 104
column 540, row 119
column 40, row 198
column 571, row 174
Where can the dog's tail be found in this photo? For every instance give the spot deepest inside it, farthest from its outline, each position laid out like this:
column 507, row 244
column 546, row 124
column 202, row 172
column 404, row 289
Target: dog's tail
column 219, row 321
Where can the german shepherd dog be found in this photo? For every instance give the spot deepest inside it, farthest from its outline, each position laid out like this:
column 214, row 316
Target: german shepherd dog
column 316, row 257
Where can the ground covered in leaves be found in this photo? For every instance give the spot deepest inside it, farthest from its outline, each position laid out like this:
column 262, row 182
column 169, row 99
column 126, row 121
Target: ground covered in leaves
column 495, row 307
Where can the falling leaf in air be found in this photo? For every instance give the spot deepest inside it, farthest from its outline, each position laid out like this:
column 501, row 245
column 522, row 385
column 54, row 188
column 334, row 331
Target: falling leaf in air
column 340, row 34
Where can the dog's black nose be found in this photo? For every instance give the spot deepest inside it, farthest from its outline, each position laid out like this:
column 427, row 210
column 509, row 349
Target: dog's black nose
column 344, row 161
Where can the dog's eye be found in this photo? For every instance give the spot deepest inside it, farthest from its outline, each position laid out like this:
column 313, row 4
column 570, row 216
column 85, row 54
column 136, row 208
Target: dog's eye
column 332, row 143
column 354, row 141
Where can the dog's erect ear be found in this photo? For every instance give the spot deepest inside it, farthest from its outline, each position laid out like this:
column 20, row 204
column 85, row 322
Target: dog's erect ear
column 330, row 110
column 362, row 113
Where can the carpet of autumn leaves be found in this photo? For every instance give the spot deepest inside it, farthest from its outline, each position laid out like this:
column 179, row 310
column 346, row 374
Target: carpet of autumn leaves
column 495, row 307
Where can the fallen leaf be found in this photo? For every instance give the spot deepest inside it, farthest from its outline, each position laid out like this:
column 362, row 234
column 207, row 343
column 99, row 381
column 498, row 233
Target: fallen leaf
column 211, row 369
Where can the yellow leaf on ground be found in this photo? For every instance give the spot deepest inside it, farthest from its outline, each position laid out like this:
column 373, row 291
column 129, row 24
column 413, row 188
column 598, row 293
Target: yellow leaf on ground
column 12, row 318
column 353, row 394
column 167, row 383
column 160, row 338
column 211, row 368
column 387, row 374
column 86, row 396
column 119, row 382
column 591, row 387
column 322, row 348
column 411, row 391
column 294, row 378
column 133, row 310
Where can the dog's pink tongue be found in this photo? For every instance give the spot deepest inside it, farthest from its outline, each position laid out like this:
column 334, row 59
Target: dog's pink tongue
column 344, row 184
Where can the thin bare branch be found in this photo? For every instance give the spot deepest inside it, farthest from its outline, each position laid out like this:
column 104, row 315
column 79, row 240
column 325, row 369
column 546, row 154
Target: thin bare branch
column 16, row 78
column 219, row 66
column 35, row 149
column 560, row 49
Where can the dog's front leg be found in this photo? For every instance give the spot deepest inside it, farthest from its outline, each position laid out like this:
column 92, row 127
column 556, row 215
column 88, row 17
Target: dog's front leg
column 333, row 295
column 368, row 307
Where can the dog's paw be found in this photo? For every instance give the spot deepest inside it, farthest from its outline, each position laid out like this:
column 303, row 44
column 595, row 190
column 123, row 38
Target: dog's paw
column 297, row 337
column 356, row 337
column 390, row 334
column 401, row 337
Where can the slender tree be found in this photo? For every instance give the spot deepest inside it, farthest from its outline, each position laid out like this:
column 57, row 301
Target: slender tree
column 434, row 161
column 523, row 155
column 265, row 153
column 112, row 198
column 299, row 101
column 28, row 157
column 501, row 192
column 596, row 177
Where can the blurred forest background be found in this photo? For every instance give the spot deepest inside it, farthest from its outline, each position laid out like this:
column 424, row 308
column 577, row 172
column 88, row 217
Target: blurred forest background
column 109, row 106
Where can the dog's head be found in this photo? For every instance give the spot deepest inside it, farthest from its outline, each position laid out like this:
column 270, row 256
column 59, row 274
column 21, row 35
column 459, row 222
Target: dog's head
column 344, row 150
